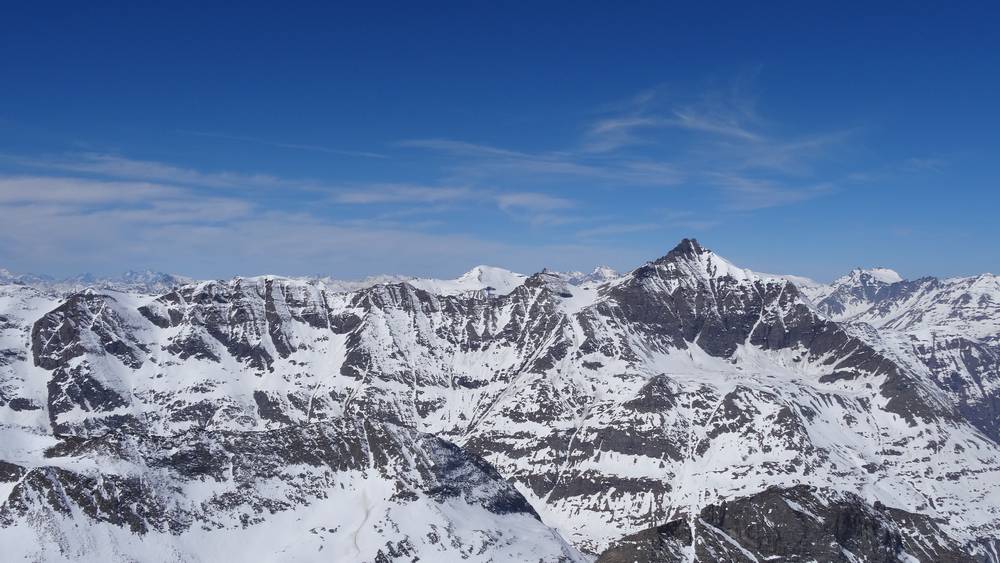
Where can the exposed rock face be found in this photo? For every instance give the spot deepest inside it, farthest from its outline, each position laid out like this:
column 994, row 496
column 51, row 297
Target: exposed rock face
column 794, row 524
column 609, row 406
column 77, row 341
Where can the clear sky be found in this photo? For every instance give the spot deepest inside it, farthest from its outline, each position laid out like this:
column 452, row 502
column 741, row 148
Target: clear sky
column 428, row 137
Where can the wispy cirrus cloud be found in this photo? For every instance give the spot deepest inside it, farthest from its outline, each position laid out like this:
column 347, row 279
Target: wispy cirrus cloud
column 121, row 179
column 489, row 158
column 683, row 220
column 719, row 139
column 42, row 190
column 532, row 201
column 658, row 139
column 925, row 164
column 639, row 120
column 63, row 225
column 282, row 145
column 487, row 163
column 715, row 151
column 464, row 148
column 916, row 166
column 117, row 166
column 726, row 126
column 612, row 133
column 535, row 207
column 749, row 194
column 135, row 201
column 724, row 123
column 403, row 193
column 538, row 209
column 367, row 194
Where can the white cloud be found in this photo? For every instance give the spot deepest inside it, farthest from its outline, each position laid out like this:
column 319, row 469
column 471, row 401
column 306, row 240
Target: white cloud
column 612, row 133
column 463, row 148
column 531, row 201
column 178, row 230
column 115, row 166
column 748, row 194
column 716, row 134
column 403, row 193
column 141, row 212
column 690, row 118
column 727, row 145
column 488, row 164
column 77, row 191
column 924, row 164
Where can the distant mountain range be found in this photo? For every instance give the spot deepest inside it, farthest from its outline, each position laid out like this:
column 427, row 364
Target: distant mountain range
column 688, row 410
column 145, row 281
column 480, row 278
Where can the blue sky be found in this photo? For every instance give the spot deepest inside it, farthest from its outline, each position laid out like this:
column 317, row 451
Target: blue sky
column 353, row 139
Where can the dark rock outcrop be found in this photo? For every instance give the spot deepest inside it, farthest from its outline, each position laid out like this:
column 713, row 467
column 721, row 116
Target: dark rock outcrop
column 795, row 524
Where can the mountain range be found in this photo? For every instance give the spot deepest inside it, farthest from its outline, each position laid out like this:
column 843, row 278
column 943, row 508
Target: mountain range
column 687, row 410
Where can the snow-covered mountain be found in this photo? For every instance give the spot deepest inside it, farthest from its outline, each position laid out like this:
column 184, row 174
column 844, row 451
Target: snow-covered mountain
column 490, row 279
column 553, row 416
column 948, row 329
column 598, row 275
column 9, row 278
column 136, row 281
column 853, row 293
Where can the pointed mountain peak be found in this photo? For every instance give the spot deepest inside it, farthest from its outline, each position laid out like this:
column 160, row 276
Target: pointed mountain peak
column 691, row 260
column 688, row 247
column 499, row 281
column 687, row 250
column 483, row 272
column 601, row 274
column 870, row 275
column 545, row 276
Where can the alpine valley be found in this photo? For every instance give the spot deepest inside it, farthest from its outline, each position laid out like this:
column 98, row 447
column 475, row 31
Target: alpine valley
column 688, row 410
